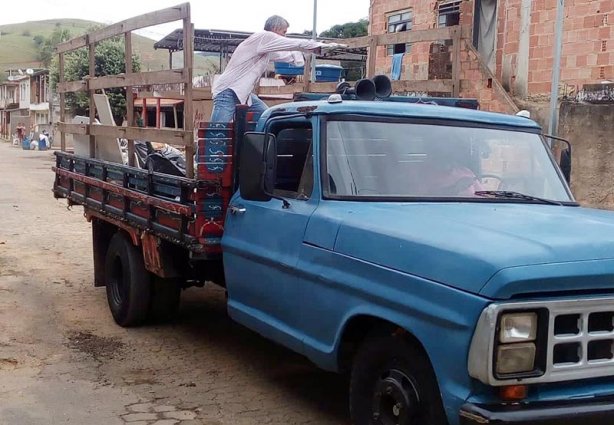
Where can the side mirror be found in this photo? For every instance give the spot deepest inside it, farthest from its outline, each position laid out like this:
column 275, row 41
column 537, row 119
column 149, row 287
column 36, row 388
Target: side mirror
column 561, row 150
column 258, row 166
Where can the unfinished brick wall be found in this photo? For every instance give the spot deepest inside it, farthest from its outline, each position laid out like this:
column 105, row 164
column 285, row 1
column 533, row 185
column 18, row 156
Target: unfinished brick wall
column 477, row 82
column 415, row 64
column 588, row 42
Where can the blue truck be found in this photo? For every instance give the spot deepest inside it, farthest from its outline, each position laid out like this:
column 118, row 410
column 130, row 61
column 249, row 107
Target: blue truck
column 435, row 254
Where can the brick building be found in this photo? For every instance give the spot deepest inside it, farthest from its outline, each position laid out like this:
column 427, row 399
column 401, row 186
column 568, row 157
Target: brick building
column 513, row 37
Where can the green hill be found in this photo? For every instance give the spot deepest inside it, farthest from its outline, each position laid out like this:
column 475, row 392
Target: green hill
column 18, row 50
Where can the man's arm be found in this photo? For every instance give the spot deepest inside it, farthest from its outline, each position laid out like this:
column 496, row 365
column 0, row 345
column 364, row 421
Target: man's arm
column 272, row 42
column 295, row 58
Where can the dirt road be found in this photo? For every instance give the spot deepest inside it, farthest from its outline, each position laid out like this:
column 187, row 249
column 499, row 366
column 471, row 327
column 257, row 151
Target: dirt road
column 64, row 361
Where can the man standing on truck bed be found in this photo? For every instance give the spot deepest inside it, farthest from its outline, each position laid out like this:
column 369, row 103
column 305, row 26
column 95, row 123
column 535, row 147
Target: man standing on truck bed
column 250, row 60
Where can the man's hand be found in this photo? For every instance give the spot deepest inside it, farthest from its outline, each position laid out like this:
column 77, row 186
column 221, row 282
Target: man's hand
column 334, row 46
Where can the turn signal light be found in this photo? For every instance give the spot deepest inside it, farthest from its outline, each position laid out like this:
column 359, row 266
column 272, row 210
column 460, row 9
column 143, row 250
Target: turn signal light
column 514, row 392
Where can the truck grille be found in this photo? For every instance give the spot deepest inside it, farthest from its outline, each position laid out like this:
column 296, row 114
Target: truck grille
column 581, row 340
column 578, row 344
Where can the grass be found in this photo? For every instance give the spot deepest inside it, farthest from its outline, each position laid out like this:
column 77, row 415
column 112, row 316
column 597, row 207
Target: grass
column 18, row 50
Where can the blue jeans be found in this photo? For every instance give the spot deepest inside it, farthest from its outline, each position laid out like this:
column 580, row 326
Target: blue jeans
column 225, row 104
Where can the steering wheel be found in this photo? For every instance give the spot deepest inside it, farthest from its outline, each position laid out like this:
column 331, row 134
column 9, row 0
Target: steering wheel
column 492, row 176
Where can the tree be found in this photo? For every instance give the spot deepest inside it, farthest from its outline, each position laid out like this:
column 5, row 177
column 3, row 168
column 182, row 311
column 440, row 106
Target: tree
column 354, row 70
column 46, row 46
column 109, row 60
column 347, row 30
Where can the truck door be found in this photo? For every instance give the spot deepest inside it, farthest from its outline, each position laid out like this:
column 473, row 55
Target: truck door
column 262, row 240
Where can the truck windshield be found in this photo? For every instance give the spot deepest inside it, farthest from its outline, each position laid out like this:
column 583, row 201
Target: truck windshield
column 410, row 160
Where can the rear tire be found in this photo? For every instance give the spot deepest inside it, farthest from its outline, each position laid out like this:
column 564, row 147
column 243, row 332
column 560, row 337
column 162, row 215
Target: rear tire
column 393, row 383
column 165, row 299
column 128, row 284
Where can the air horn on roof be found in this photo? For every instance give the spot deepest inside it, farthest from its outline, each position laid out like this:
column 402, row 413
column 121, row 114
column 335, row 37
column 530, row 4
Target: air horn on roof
column 379, row 87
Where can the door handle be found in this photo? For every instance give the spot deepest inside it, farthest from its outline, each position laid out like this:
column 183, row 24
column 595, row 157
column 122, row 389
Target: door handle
column 237, row 209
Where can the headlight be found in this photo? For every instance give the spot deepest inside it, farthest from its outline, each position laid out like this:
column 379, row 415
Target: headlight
column 518, row 327
column 515, row 358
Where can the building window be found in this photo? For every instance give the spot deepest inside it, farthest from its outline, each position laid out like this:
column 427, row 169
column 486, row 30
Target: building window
column 399, row 22
column 448, row 14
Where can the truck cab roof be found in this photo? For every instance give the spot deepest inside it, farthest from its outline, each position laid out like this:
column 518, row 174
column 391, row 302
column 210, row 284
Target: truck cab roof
column 403, row 110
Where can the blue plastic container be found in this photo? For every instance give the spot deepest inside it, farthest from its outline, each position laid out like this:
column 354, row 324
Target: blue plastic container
column 287, row 69
column 324, row 73
column 25, row 144
column 328, row 73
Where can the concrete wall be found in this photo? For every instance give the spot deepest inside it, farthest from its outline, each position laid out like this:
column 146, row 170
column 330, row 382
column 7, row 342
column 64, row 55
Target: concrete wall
column 590, row 129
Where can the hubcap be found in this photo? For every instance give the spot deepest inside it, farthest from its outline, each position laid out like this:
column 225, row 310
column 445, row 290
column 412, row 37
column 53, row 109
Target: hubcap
column 395, row 400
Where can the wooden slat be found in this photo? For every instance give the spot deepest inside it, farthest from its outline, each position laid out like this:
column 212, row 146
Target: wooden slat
column 162, row 16
column 422, row 86
column 158, row 17
column 176, row 76
column 372, row 58
column 78, row 129
column 456, row 61
column 62, row 102
column 92, row 73
column 71, row 86
column 307, row 74
column 188, row 105
column 415, row 36
column 129, row 95
column 298, row 88
column 73, row 44
column 173, row 137
column 397, row 86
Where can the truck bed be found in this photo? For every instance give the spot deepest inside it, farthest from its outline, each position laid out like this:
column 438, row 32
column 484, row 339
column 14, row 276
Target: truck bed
column 187, row 212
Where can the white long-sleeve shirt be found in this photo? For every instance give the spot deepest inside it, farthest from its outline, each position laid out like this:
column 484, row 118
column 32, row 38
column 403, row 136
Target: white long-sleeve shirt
column 252, row 56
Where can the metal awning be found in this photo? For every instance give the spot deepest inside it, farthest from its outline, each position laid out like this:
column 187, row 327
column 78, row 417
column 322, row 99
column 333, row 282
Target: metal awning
column 225, row 42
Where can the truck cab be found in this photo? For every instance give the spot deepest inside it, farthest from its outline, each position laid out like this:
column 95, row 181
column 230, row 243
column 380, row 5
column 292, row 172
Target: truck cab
column 437, row 254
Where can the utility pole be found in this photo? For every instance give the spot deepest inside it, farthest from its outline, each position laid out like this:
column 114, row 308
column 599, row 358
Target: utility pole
column 314, row 36
column 556, row 67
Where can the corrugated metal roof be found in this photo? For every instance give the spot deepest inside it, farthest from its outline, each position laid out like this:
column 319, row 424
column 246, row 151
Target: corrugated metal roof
column 225, row 42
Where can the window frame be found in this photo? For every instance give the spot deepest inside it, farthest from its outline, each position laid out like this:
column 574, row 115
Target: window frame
column 295, row 122
column 409, row 23
column 325, row 184
column 450, row 7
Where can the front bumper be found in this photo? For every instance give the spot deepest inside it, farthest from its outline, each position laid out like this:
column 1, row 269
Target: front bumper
column 594, row 411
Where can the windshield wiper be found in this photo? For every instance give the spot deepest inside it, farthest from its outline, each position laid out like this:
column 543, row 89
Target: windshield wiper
column 506, row 194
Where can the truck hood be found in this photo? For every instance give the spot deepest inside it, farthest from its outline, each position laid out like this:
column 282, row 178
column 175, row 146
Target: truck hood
column 496, row 250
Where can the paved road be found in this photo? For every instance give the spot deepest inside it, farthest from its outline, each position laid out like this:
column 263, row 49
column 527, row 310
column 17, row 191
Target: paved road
column 64, row 361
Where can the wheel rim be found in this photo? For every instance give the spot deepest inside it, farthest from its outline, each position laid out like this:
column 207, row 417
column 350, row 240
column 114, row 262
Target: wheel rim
column 118, row 285
column 395, row 400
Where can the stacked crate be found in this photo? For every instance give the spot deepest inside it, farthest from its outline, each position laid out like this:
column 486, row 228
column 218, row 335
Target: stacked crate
column 215, row 174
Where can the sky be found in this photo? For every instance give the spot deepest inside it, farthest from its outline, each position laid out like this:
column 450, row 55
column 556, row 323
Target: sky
column 237, row 15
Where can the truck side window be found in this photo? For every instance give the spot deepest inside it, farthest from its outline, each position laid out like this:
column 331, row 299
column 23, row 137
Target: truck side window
column 294, row 163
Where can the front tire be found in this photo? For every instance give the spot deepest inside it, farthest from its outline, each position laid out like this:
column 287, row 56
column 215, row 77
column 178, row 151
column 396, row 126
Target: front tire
column 127, row 282
column 393, row 383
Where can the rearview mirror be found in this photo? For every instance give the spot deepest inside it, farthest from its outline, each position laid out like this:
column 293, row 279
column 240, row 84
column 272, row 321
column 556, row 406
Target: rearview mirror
column 258, row 166
column 561, row 150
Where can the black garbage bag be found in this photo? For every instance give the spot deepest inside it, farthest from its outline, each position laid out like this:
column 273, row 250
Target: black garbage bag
column 167, row 161
column 142, row 150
